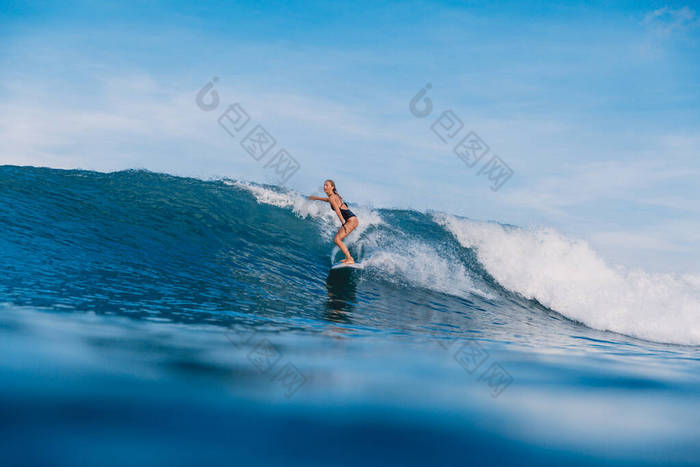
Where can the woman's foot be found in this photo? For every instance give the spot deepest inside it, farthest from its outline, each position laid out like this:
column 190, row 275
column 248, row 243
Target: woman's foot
column 348, row 261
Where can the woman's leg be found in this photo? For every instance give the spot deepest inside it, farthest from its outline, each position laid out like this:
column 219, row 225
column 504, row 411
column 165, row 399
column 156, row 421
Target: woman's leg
column 343, row 232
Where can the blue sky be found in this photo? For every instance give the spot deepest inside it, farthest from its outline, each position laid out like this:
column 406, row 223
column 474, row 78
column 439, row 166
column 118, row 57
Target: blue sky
column 594, row 105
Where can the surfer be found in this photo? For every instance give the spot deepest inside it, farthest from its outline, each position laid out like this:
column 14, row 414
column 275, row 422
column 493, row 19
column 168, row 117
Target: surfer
column 346, row 216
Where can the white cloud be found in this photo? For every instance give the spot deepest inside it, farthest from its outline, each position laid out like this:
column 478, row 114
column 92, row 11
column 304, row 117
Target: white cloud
column 669, row 246
column 667, row 20
column 598, row 181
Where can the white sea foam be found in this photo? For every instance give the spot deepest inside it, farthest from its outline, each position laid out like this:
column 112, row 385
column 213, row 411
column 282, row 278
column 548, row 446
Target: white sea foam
column 416, row 263
column 304, row 207
column 567, row 276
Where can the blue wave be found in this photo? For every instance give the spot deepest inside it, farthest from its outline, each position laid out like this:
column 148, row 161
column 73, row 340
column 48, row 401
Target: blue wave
column 142, row 243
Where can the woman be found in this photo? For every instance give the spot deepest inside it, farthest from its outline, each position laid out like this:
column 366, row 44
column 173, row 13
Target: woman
column 346, row 216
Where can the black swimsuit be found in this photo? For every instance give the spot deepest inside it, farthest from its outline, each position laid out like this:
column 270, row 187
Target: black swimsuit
column 346, row 213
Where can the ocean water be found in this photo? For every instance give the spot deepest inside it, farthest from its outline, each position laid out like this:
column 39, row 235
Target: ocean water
column 147, row 319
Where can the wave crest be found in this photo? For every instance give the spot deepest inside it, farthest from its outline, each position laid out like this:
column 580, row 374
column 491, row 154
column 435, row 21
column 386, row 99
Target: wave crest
column 567, row 276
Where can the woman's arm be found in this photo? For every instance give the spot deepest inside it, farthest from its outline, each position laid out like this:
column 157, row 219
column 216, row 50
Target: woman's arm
column 318, row 198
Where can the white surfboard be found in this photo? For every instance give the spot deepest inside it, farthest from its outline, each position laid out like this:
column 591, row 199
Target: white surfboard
column 346, row 266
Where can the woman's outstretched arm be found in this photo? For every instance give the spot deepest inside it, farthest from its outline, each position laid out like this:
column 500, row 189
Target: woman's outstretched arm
column 318, row 198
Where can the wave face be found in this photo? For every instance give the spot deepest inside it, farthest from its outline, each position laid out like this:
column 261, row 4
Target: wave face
column 147, row 244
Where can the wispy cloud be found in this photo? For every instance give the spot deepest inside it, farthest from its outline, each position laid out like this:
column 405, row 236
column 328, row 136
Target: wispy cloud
column 667, row 20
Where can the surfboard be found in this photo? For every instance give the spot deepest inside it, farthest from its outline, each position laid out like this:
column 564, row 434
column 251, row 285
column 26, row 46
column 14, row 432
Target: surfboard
column 346, row 266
